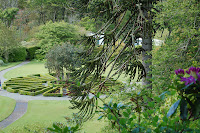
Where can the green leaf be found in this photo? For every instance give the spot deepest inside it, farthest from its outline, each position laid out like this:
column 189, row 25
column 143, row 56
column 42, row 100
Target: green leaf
column 109, row 116
column 162, row 96
column 173, row 108
column 122, row 121
column 196, row 109
column 125, row 114
column 187, row 86
column 183, row 109
column 56, row 127
column 78, row 83
column 98, row 94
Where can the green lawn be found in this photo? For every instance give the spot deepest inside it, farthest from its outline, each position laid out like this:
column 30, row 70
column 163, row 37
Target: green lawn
column 7, row 106
column 33, row 67
column 8, row 65
column 42, row 114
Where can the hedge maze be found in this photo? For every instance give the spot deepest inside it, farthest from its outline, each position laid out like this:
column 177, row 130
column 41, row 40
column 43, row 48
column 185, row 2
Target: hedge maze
column 34, row 85
column 46, row 85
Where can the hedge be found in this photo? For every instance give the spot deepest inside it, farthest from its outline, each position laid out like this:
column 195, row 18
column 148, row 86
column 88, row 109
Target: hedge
column 18, row 54
column 31, row 52
column 49, row 92
column 12, row 90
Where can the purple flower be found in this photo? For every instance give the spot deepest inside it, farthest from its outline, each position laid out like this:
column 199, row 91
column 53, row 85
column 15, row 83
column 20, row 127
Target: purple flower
column 179, row 71
column 193, row 69
column 188, row 80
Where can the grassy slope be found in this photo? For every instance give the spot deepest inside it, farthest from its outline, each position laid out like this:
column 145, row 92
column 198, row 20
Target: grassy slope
column 33, row 67
column 42, row 114
column 8, row 65
column 7, row 106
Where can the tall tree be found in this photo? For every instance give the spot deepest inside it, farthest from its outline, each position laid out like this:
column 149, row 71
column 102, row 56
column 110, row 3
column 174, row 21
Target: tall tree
column 126, row 21
column 7, row 41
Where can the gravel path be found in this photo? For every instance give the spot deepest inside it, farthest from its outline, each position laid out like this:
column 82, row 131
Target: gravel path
column 21, row 100
column 19, row 111
column 6, row 70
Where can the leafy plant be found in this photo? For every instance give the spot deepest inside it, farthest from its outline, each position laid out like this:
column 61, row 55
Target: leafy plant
column 187, row 85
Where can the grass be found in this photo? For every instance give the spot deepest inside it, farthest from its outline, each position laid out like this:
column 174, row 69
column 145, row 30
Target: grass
column 8, row 65
column 33, row 67
column 7, row 106
column 42, row 114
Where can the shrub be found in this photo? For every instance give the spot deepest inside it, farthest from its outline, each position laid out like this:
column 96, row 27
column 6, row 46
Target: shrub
column 31, row 52
column 18, row 54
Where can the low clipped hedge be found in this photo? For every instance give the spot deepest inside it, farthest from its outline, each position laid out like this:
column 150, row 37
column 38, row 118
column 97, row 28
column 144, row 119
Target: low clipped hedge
column 32, row 85
column 49, row 92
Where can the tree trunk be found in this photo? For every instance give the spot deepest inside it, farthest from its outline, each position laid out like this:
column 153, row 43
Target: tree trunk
column 147, row 44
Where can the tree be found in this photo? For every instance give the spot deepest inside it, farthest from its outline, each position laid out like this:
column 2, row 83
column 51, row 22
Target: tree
column 63, row 58
column 7, row 41
column 126, row 21
column 52, row 34
column 8, row 15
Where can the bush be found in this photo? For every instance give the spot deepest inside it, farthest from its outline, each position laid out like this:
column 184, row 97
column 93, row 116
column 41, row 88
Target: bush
column 31, row 52
column 18, row 54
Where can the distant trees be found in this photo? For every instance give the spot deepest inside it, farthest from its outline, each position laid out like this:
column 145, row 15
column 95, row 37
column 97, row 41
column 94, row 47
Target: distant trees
column 7, row 41
column 8, row 15
column 52, row 34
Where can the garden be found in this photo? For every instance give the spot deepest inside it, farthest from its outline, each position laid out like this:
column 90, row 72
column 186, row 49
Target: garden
column 97, row 66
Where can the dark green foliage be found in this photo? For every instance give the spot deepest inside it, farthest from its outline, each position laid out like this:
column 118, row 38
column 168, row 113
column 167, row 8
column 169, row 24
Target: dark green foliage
column 31, row 52
column 18, row 54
